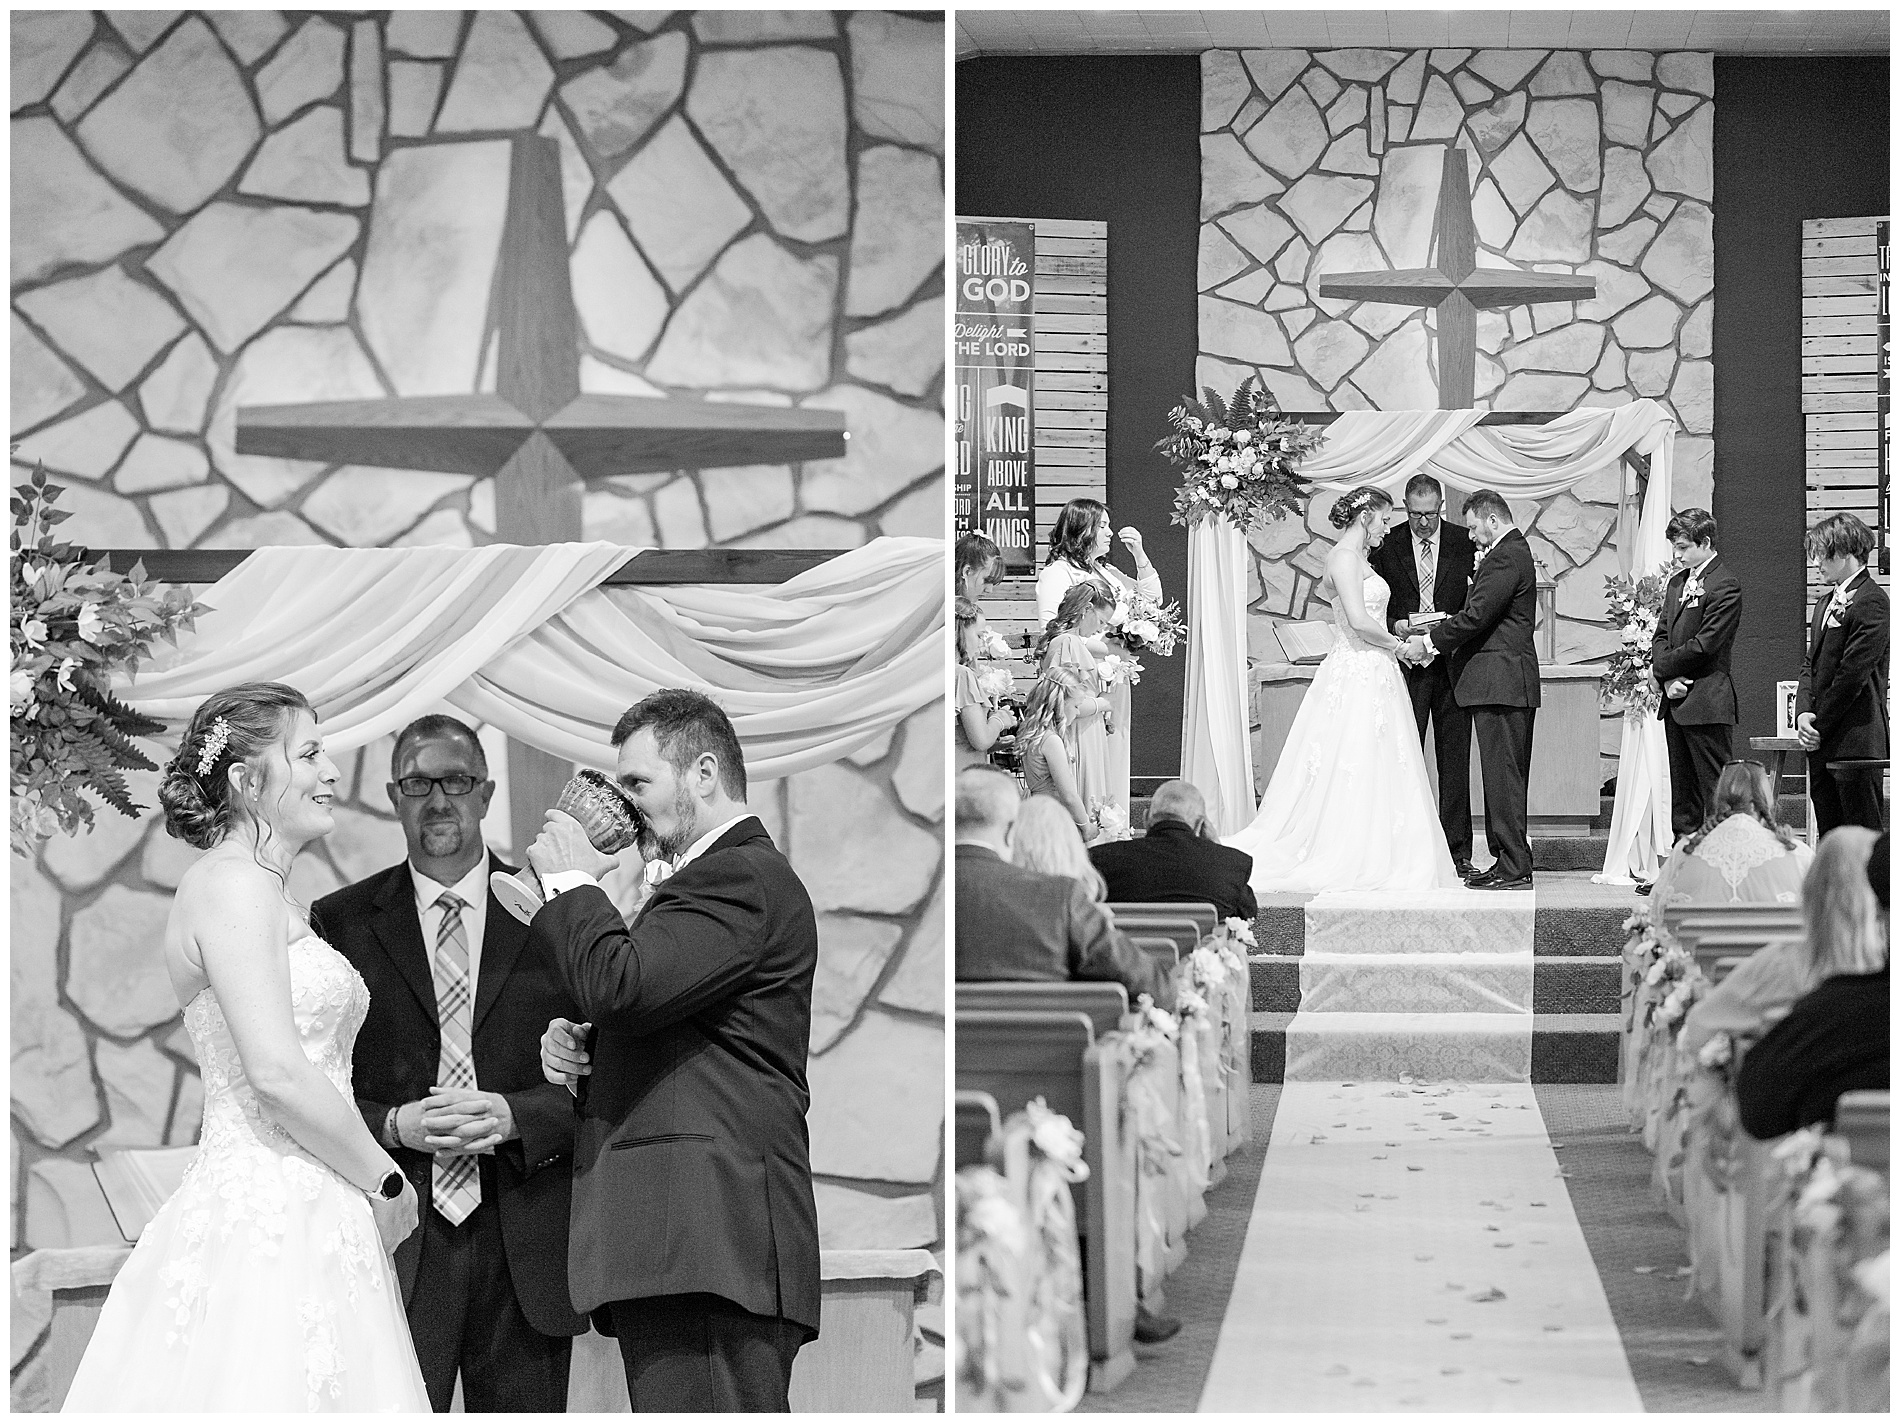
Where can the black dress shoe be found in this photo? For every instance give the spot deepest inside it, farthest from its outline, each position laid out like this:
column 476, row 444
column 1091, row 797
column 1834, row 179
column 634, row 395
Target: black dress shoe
column 1477, row 877
column 1495, row 883
column 1465, row 871
column 1644, row 886
column 1154, row 1328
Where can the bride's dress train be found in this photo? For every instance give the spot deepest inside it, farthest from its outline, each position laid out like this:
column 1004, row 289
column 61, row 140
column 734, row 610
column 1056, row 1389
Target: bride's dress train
column 261, row 1286
column 1350, row 804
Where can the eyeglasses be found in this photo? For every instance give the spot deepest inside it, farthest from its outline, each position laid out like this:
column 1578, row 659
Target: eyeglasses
column 416, row 787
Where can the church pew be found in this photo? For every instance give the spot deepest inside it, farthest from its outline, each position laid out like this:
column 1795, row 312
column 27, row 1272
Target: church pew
column 1016, row 1057
column 1718, row 952
column 1105, row 1004
column 1178, row 927
column 1164, row 951
column 1205, row 916
column 1735, row 1292
column 1688, row 924
column 978, row 1123
column 1864, row 1121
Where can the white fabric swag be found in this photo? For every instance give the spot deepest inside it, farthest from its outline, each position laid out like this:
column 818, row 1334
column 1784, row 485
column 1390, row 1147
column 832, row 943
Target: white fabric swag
column 523, row 638
column 1386, row 448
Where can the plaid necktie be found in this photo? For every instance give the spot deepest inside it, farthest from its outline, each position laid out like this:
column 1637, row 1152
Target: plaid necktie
column 457, row 1187
column 1427, row 574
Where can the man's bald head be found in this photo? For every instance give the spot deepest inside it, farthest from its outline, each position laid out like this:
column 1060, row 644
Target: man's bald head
column 1178, row 800
column 987, row 802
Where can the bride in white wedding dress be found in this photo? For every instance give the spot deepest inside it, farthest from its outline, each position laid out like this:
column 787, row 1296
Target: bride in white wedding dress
column 1350, row 804
column 264, row 1284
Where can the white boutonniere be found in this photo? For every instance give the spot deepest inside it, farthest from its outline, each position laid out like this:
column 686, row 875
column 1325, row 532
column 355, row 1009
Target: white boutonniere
column 1691, row 591
column 1835, row 608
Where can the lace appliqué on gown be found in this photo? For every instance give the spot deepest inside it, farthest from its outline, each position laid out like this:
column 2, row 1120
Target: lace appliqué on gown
column 1350, row 804
column 261, row 1285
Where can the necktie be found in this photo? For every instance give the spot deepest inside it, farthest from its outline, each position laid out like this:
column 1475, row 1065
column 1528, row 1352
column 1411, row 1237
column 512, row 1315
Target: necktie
column 1427, row 572
column 457, row 1186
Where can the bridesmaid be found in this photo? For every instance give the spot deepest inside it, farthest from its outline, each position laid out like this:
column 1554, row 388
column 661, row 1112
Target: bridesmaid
column 1046, row 735
column 979, row 722
column 1078, row 550
column 1079, row 620
column 979, row 566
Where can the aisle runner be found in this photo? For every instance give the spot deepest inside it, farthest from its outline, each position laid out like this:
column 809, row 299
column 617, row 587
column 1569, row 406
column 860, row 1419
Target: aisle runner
column 1412, row 1245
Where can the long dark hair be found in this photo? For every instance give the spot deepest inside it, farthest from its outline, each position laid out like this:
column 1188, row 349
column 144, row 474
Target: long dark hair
column 1078, row 600
column 1072, row 540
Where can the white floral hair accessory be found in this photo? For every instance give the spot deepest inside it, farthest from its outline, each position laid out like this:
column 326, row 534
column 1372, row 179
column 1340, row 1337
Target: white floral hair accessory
column 215, row 741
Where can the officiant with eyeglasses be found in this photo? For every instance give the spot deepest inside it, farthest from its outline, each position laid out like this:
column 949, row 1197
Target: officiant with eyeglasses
column 447, row 1074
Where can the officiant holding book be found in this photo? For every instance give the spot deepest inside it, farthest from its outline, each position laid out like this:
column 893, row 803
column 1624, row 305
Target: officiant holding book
column 1429, row 572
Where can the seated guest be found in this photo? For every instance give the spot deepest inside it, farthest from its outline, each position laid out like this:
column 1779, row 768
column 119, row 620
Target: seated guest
column 1015, row 924
column 1179, row 860
column 1046, row 737
column 979, row 720
column 979, row 565
column 1841, row 933
column 1047, row 842
column 1834, row 1040
column 1742, row 854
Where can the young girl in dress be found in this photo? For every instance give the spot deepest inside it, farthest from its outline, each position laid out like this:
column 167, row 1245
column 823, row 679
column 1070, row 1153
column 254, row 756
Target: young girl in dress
column 1080, row 618
column 1047, row 738
column 980, row 720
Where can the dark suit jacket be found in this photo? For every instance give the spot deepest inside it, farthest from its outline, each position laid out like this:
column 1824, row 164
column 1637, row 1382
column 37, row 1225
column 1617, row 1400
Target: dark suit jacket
column 1493, row 650
column 1695, row 643
column 1016, row 925
column 692, row 1167
column 1171, row 864
column 1834, row 1040
column 373, row 924
column 1844, row 676
column 1392, row 561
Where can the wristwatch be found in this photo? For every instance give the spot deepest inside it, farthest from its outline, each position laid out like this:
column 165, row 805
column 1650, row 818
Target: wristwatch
column 390, row 1186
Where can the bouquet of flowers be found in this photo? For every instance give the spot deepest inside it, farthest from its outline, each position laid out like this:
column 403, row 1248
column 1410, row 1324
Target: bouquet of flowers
column 995, row 684
column 1116, row 669
column 994, row 648
column 1110, row 819
column 1237, row 457
column 73, row 627
column 1148, row 626
column 1635, row 610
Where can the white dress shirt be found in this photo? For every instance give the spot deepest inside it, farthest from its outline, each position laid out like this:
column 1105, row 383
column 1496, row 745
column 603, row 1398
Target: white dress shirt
column 561, row 881
column 472, row 889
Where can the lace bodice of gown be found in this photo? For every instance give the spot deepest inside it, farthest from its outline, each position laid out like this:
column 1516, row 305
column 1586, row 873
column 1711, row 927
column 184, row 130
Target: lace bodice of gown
column 1377, row 594
column 328, row 1000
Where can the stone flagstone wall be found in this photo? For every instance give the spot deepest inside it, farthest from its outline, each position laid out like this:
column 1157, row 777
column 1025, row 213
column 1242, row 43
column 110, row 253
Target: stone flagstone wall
column 243, row 207
column 1328, row 161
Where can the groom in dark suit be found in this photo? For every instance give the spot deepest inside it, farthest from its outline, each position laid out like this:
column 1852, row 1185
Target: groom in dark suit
column 1689, row 660
column 695, row 1233
column 1841, row 714
column 1494, row 676
column 447, row 1073
column 1428, row 571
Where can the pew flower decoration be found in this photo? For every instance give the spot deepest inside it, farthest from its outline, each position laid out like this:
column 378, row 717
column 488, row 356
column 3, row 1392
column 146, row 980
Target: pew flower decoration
column 1188, row 1003
column 1635, row 606
column 1241, row 932
column 1717, row 1053
column 1057, row 1138
column 1238, row 458
column 74, row 628
column 1148, row 626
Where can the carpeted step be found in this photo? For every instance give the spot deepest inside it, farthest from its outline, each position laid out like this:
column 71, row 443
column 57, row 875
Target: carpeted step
column 1381, row 1047
column 1415, row 983
column 1565, row 1047
column 1572, row 984
column 1569, row 852
column 1578, row 930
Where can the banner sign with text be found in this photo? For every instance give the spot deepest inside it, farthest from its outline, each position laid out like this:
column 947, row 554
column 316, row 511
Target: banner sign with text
column 995, row 384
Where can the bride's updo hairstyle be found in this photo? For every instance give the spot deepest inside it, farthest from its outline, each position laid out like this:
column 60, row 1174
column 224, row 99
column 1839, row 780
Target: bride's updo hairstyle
column 1355, row 502
column 1078, row 600
column 239, row 723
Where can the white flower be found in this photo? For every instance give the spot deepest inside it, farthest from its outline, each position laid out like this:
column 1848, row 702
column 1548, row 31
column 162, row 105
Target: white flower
column 90, row 623
column 19, row 689
column 1718, row 1051
column 1054, row 1135
column 1242, row 930
column 34, row 631
column 1144, row 629
column 994, row 1218
column 1243, row 437
column 1633, row 636
column 1227, row 481
column 67, row 667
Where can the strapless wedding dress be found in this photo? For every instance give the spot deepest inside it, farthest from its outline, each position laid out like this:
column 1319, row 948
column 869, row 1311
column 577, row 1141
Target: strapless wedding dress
column 1350, row 804
column 261, row 1286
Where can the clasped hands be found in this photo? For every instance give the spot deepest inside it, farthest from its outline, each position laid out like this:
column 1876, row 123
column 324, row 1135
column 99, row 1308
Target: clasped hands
column 1676, row 688
column 1416, row 650
column 456, row 1121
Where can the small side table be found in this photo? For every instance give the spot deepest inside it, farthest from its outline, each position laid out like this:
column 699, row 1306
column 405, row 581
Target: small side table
column 1782, row 746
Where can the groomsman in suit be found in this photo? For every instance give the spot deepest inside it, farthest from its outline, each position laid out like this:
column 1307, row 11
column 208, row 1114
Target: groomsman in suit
column 1689, row 661
column 1842, row 711
column 695, row 1234
column 1429, row 571
column 1494, row 676
column 447, row 1073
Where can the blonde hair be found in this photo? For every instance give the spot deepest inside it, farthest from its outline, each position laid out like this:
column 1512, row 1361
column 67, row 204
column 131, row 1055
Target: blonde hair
column 1048, row 707
column 1839, row 914
column 1047, row 841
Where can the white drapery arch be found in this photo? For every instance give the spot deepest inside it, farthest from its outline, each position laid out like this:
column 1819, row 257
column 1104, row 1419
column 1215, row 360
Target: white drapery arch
column 524, row 639
column 1386, row 448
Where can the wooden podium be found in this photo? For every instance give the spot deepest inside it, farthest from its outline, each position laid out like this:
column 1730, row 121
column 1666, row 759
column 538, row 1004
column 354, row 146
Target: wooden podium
column 1566, row 757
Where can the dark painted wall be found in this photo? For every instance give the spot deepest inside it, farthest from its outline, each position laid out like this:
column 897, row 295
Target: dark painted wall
column 1795, row 139
column 1115, row 141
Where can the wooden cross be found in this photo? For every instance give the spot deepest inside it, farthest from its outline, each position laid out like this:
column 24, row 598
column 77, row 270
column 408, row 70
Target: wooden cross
column 1457, row 288
column 539, row 437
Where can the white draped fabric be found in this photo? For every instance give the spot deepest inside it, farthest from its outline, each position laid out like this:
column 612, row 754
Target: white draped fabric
column 524, row 639
column 1386, row 448
column 1221, row 762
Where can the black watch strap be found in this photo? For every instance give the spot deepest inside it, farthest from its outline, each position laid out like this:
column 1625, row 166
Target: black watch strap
column 390, row 1186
